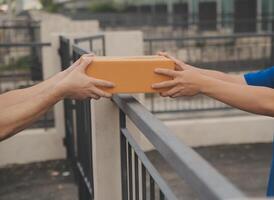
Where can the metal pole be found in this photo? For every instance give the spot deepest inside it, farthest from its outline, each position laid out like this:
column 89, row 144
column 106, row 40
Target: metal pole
column 170, row 12
column 10, row 12
column 10, row 18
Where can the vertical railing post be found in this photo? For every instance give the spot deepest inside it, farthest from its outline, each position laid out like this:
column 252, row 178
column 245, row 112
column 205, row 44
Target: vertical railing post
column 123, row 157
column 106, row 150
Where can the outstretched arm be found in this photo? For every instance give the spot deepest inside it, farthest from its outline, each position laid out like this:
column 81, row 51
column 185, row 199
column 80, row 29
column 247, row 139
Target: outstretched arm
column 20, row 95
column 232, row 78
column 254, row 99
column 19, row 116
column 21, row 113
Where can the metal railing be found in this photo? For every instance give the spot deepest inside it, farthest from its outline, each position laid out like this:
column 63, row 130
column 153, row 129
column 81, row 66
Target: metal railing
column 78, row 128
column 191, row 167
column 140, row 179
column 21, row 60
column 183, row 20
column 95, row 44
column 69, row 105
column 236, row 53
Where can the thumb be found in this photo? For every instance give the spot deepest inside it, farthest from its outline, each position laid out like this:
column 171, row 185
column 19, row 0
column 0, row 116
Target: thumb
column 178, row 63
column 85, row 61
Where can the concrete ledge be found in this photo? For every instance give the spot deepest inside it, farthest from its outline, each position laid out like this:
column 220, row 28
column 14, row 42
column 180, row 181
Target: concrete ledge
column 224, row 130
column 32, row 145
column 219, row 131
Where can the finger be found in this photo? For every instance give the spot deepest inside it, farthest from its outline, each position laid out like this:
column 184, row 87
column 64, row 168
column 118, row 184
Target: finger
column 102, row 83
column 178, row 63
column 73, row 66
column 77, row 62
column 101, row 93
column 161, row 94
column 171, row 91
column 88, row 55
column 84, row 63
column 162, row 53
column 178, row 94
column 94, row 96
column 164, row 84
column 166, row 72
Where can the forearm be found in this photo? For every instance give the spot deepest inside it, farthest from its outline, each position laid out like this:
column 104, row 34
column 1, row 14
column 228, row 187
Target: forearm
column 20, row 95
column 258, row 100
column 232, row 78
column 17, row 117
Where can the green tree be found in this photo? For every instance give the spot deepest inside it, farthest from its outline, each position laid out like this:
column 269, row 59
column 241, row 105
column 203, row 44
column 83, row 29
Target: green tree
column 49, row 5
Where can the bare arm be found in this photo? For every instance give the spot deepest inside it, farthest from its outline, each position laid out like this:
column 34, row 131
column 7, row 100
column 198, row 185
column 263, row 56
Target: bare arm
column 75, row 84
column 232, row 78
column 17, row 117
column 259, row 100
column 20, row 95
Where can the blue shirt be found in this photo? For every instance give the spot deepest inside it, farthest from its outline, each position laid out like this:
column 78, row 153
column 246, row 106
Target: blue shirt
column 264, row 78
column 261, row 78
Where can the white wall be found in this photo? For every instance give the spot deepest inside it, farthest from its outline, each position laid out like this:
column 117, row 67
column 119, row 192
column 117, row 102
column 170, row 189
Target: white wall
column 31, row 145
column 220, row 131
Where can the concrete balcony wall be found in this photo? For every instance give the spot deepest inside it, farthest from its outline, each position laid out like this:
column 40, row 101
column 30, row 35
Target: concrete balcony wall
column 219, row 131
column 105, row 123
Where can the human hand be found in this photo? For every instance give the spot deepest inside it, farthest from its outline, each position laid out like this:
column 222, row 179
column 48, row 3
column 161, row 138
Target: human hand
column 77, row 85
column 184, row 83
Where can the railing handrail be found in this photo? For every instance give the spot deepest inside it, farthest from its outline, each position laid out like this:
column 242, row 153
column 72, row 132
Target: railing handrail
column 202, row 177
column 26, row 26
column 83, row 39
column 27, row 44
column 149, row 166
column 191, row 15
column 78, row 49
column 91, row 39
column 211, row 37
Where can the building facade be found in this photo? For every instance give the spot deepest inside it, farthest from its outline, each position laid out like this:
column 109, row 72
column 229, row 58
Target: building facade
column 240, row 15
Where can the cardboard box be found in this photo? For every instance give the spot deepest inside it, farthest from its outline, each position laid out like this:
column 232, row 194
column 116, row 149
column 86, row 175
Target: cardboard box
column 130, row 74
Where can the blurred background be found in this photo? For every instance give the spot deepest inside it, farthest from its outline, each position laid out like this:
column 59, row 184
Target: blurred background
column 233, row 36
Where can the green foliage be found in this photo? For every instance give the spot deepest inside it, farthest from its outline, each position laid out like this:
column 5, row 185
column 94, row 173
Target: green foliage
column 22, row 64
column 103, row 7
column 49, row 5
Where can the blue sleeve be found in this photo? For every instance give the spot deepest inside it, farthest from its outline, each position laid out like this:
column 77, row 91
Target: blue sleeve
column 263, row 78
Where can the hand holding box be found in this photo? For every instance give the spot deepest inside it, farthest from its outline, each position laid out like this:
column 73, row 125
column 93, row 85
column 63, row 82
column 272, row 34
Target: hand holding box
column 130, row 74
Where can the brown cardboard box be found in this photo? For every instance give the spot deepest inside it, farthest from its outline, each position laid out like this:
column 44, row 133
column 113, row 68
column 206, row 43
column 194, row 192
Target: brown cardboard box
column 130, row 74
